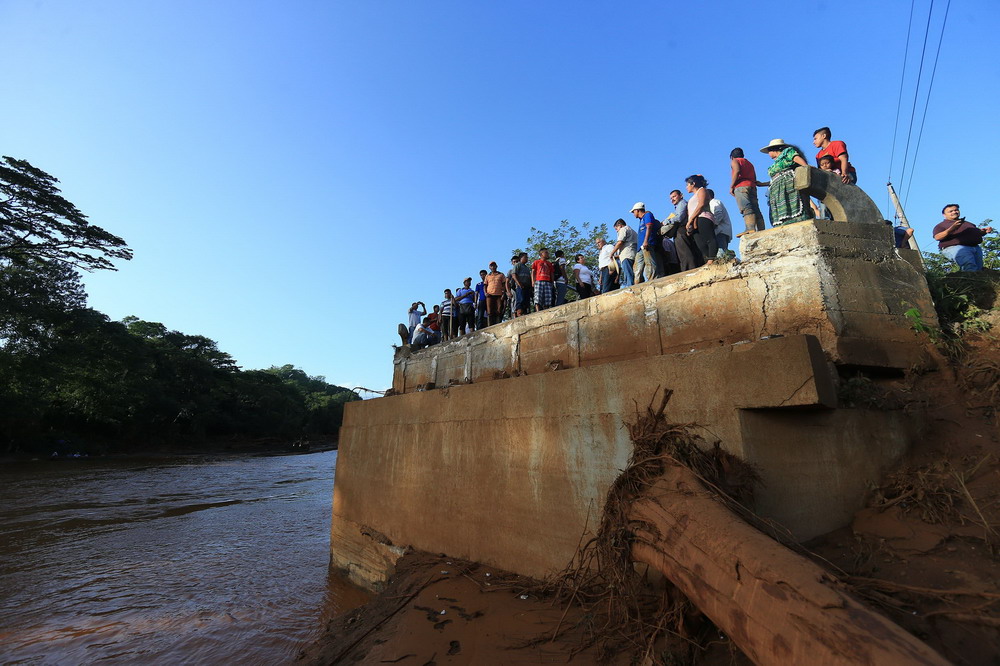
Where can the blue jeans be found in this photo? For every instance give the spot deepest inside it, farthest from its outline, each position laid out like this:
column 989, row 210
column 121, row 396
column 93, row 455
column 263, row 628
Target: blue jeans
column 627, row 277
column 639, row 268
column 968, row 257
column 522, row 299
column 606, row 282
column 560, row 293
column 722, row 240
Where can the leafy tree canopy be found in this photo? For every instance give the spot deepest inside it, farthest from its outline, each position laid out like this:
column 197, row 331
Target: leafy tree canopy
column 566, row 237
column 37, row 222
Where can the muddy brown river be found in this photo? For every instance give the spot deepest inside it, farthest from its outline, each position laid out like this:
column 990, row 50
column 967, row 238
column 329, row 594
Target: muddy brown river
column 173, row 561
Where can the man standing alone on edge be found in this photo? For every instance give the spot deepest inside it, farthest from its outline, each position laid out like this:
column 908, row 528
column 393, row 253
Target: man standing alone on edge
column 743, row 187
column 628, row 242
column 649, row 239
column 542, row 274
column 838, row 151
column 959, row 240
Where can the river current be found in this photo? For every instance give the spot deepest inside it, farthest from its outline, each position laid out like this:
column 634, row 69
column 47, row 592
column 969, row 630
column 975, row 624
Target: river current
column 174, row 561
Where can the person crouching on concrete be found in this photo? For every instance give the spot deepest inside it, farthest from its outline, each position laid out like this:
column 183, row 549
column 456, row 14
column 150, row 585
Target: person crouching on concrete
column 543, row 281
column 424, row 335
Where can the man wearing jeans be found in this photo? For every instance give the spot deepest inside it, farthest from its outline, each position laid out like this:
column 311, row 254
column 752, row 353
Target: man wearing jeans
column 626, row 246
column 605, row 258
column 649, row 239
column 959, row 240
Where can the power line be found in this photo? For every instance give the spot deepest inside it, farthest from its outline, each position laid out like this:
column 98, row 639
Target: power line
column 927, row 101
column 916, row 90
column 899, row 98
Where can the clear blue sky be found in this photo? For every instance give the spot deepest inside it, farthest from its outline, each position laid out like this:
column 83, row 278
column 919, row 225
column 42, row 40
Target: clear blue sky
column 292, row 176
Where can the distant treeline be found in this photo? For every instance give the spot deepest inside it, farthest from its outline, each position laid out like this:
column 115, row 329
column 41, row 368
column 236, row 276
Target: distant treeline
column 73, row 381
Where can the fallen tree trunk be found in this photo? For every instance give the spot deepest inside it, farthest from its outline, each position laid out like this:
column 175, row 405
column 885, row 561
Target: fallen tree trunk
column 777, row 606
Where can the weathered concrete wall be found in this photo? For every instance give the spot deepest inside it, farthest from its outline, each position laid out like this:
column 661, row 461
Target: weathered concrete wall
column 509, row 473
column 842, row 282
column 509, row 459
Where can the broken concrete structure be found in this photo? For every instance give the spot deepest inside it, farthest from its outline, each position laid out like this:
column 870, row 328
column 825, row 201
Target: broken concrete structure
column 500, row 446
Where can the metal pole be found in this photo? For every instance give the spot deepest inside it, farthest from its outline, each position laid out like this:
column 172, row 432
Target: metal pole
column 903, row 221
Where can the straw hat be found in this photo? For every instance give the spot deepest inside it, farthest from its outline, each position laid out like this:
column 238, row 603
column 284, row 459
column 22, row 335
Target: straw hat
column 775, row 144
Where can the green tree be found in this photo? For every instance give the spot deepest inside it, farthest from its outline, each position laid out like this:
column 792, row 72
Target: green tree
column 37, row 222
column 568, row 238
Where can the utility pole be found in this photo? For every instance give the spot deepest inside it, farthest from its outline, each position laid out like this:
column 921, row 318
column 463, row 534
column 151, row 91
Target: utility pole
column 903, row 221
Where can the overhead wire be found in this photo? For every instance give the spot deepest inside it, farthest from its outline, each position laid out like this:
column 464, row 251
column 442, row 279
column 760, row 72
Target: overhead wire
column 899, row 103
column 930, row 87
column 916, row 91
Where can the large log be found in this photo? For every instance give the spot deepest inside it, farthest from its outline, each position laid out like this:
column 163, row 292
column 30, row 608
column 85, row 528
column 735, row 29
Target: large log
column 776, row 605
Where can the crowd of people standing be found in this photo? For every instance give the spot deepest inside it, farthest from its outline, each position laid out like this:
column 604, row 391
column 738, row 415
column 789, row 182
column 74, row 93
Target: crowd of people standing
column 696, row 232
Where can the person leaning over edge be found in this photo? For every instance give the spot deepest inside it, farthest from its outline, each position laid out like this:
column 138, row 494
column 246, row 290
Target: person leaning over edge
column 743, row 187
column 960, row 240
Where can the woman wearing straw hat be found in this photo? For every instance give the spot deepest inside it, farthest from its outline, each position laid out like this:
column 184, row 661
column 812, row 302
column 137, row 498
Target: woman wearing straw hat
column 787, row 204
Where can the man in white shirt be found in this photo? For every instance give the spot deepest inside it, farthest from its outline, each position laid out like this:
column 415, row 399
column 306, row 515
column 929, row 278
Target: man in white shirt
column 723, row 225
column 625, row 248
column 415, row 315
column 605, row 261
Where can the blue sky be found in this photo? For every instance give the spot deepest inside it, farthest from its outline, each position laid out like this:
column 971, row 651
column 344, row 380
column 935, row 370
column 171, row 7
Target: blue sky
column 292, row 177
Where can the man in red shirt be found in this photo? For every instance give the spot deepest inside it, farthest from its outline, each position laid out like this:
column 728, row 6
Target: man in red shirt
column 838, row 151
column 542, row 279
column 743, row 186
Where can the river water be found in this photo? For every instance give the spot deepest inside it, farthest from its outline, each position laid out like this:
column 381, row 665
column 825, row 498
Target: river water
column 173, row 561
